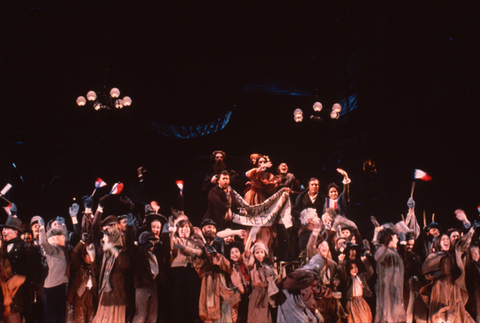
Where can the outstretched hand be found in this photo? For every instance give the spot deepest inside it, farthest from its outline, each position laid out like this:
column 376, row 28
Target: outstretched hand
column 341, row 171
column 460, row 215
column 73, row 210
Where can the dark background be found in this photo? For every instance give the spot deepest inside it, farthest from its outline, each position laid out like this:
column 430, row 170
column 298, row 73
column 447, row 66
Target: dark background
column 412, row 69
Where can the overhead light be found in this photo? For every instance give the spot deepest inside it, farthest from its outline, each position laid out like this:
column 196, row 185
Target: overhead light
column 105, row 100
column 298, row 115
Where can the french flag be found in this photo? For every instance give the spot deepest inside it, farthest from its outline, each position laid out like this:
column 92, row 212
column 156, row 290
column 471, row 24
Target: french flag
column 99, row 183
column 7, row 209
column 117, row 188
column 180, row 185
column 420, row 174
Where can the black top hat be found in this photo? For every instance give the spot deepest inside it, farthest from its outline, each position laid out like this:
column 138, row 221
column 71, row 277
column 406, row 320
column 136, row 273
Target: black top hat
column 13, row 223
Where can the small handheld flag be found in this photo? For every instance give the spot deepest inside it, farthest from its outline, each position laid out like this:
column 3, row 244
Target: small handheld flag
column 420, row 174
column 180, row 185
column 99, row 183
column 117, row 188
column 7, row 209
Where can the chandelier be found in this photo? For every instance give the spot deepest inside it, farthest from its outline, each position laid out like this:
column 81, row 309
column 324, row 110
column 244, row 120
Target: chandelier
column 105, row 100
column 317, row 112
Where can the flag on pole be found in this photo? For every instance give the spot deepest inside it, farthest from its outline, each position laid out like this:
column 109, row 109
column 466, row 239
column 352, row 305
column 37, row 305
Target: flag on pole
column 180, row 185
column 420, row 174
column 99, row 183
column 7, row 209
column 117, row 188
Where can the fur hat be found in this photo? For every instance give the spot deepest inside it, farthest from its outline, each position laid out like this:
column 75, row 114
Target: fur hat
column 13, row 223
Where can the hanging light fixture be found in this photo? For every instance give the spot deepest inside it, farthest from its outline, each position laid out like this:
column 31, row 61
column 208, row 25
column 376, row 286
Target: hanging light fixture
column 298, row 115
column 105, row 100
column 317, row 112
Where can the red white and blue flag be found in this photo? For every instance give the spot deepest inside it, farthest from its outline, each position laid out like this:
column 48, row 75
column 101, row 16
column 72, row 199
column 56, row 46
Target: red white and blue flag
column 99, row 183
column 420, row 174
column 117, row 188
column 180, row 185
column 7, row 209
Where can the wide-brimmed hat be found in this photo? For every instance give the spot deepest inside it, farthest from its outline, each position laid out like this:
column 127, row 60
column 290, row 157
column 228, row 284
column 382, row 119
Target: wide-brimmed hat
column 150, row 217
column 13, row 223
column 145, row 237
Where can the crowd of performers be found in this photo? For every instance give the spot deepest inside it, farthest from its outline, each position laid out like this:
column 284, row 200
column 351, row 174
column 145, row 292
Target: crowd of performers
column 275, row 252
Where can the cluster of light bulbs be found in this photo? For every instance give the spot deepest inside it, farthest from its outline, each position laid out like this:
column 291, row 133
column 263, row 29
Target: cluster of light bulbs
column 317, row 108
column 98, row 104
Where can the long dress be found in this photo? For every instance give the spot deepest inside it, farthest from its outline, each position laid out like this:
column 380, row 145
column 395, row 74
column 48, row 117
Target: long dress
column 389, row 286
column 447, row 295
column 263, row 291
column 356, row 306
column 262, row 184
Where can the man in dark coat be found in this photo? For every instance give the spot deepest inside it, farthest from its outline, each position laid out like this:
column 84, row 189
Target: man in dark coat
column 311, row 198
column 15, row 259
column 220, row 202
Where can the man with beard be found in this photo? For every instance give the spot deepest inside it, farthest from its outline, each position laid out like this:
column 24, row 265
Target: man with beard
column 209, row 231
column 213, row 289
column 218, row 159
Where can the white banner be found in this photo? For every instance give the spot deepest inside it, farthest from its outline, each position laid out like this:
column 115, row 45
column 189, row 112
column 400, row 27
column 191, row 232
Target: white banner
column 265, row 214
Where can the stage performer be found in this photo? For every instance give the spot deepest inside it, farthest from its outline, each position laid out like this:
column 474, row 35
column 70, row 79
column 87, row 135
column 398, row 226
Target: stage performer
column 220, row 202
column 262, row 183
column 264, row 280
column 446, row 295
column 389, row 286
column 186, row 248
column 335, row 199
